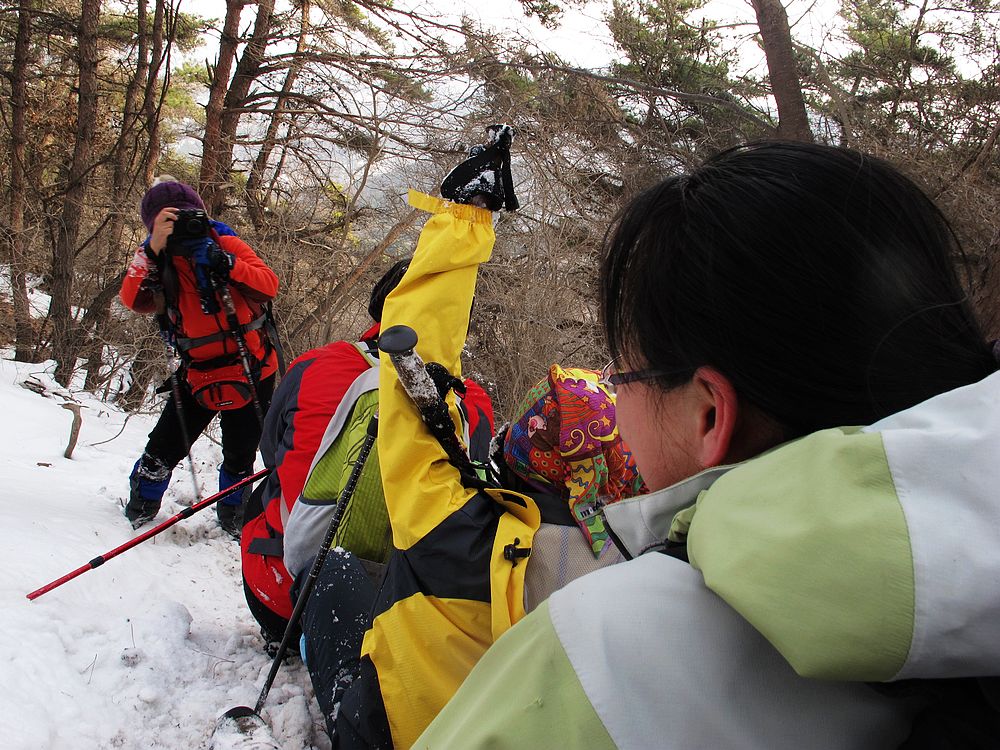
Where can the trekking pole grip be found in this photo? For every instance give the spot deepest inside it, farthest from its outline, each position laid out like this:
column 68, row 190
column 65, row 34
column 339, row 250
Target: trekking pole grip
column 399, row 342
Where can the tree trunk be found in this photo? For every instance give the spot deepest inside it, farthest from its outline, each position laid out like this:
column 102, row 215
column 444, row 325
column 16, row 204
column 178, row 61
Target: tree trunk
column 148, row 364
column 247, row 70
column 210, row 181
column 95, row 320
column 24, row 334
column 153, row 96
column 256, row 199
column 64, row 346
column 124, row 154
column 123, row 181
column 776, row 39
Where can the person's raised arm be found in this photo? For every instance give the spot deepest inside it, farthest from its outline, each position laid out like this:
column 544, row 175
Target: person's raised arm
column 434, row 298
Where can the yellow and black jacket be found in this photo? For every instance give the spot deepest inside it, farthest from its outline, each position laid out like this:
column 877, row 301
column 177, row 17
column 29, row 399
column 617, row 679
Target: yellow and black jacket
column 449, row 591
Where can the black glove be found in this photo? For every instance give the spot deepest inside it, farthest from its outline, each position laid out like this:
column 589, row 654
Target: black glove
column 444, row 381
column 220, row 263
column 485, row 174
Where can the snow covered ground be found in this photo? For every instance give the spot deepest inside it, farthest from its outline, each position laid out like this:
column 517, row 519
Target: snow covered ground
column 147, row 650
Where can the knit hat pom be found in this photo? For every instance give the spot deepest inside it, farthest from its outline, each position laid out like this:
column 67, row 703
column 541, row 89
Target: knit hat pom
column 167, row 192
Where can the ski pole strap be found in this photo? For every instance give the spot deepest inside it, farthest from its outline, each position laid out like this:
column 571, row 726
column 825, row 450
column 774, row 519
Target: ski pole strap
column 186, row 344
column 504, row 137
column 167, row 332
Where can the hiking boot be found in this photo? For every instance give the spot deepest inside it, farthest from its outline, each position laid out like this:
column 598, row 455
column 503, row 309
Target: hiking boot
column 147, row 483
column 139, row 511
column 230, row 508
column 484, row 178
column 230, row 518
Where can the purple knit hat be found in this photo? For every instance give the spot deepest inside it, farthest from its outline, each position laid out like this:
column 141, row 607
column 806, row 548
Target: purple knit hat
column 164, row 194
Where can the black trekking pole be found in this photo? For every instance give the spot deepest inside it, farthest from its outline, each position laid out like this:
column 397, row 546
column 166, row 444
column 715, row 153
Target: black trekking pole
column 241, row 344
column 248, row 719
column 186, row 513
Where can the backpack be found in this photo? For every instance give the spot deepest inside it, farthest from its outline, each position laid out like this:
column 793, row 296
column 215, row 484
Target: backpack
column 267, row 582
column 364, row 528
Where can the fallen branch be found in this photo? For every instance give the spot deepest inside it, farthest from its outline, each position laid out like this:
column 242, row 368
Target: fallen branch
column 74, row 430
column 102, row 442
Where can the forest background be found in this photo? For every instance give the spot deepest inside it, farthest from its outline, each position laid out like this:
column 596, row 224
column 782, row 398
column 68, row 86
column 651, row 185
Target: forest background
column 302, row 122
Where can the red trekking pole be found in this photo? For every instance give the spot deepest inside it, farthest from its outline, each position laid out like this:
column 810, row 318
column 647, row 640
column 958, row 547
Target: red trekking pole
column 186, row 513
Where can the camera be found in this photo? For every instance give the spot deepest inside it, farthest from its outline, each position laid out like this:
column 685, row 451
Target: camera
column 191, row 224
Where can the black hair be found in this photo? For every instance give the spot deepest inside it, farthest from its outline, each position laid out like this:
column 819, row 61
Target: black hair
column 819, row 280
column 390, row 279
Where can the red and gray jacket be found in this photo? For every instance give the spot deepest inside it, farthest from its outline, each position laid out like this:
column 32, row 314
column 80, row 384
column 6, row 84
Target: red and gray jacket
column 306, row 398
column 303, row 405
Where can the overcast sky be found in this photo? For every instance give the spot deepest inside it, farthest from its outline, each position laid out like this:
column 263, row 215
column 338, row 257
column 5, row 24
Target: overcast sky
column 581, row 38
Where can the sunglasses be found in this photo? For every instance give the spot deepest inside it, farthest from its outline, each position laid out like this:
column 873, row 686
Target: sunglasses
column 611, row 378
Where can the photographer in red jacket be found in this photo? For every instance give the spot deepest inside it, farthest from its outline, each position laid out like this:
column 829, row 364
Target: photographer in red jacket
column 194, row 273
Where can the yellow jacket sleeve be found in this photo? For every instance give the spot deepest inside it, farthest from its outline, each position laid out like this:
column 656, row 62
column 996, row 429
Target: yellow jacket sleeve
column 450, row 588
column 434, row 298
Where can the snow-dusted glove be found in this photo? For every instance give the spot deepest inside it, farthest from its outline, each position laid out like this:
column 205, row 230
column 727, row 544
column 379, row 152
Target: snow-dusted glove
column 485, row 174
column 205, row 258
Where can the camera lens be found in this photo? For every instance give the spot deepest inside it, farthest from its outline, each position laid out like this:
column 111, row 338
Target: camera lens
column 195, row 226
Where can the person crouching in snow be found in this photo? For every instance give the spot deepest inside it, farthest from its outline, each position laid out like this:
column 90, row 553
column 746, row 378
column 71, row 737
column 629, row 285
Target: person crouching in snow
column 563, row 449
column 181, row 273
column 317, row 421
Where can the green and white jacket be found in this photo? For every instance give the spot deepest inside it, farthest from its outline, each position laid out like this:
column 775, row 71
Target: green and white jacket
column 850, row 555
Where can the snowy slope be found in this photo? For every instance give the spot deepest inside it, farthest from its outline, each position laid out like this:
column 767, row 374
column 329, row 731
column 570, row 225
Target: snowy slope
column 176, row 601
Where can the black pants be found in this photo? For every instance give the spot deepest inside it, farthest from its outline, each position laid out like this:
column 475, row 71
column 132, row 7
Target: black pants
column 334, row 621
column 240, row 429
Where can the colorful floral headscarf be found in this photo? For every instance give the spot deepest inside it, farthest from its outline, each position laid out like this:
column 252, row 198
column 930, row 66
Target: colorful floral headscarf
column 564, row 439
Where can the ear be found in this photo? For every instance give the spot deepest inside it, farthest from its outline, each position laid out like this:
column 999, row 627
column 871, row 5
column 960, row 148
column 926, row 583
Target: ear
column 717, row 412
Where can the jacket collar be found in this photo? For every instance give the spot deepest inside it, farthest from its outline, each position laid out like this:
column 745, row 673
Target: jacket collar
column 640, row 523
